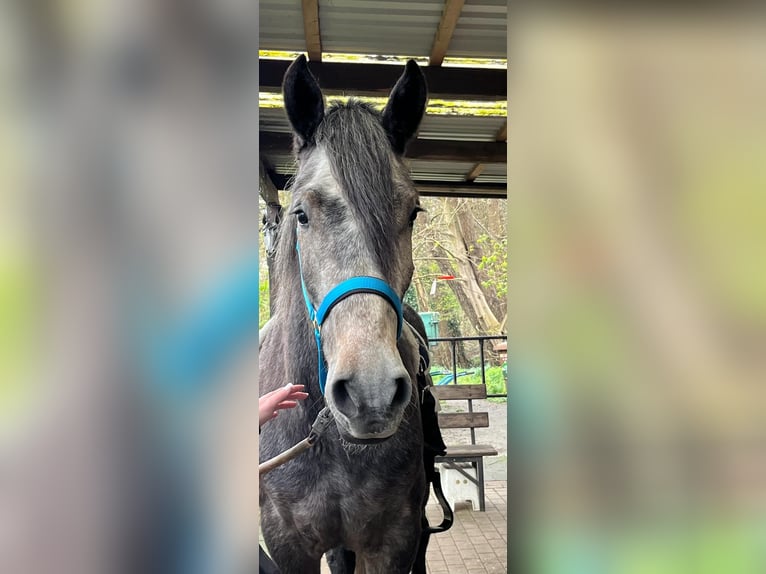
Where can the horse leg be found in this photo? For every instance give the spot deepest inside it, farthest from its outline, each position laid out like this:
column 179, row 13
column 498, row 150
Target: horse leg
column 291, row 559
column 341, row 560
column 395, row 556
column 288, row 548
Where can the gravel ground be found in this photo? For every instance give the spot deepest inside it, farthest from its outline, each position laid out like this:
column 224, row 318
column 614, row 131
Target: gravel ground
column 495, row 467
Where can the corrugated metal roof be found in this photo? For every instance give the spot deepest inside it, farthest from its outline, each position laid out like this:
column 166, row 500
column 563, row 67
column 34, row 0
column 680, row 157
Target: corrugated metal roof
column 481, row 30
column 354, row 26
column 273, row 120
column 493, row 169
column 461, row 128
column 395, row 28
column 379, row 26
column 388, row 27
column 493, row 173
column 439, row 170
column 281, row 25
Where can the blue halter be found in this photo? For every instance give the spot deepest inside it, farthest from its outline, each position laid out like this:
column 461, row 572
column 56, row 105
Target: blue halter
column 361, row 284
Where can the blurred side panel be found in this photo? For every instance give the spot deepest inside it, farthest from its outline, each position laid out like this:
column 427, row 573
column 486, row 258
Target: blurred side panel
column 128, row 322
column 637, row 291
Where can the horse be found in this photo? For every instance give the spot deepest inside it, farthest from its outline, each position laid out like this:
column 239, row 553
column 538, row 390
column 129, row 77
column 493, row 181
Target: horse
column 345, row 246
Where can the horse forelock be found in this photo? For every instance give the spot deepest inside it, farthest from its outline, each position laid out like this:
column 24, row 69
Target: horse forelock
column 363, row 164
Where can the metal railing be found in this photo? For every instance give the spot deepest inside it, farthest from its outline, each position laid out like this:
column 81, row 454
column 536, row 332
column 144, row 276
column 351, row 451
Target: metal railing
column 453, row 341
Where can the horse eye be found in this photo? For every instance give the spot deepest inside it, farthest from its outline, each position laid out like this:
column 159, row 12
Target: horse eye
column 414, row 214
column 303, row 219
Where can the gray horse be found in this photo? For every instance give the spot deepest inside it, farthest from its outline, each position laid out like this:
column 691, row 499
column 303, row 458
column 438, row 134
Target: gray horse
column 359, row 494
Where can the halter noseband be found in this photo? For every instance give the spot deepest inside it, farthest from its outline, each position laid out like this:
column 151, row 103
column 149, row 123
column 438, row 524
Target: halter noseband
column 360, row 284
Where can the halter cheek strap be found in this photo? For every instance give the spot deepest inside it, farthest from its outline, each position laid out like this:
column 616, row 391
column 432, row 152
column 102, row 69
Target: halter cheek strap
column 352, row 286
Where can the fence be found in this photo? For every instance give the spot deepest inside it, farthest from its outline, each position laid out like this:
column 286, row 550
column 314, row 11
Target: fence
column 453, row 341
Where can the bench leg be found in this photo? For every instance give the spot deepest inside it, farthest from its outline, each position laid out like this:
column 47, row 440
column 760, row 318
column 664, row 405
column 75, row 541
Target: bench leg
column 480, row 480
column 478, row 465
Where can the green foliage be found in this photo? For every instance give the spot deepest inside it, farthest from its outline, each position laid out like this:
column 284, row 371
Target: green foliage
column 264, row 300
column 411, row 298
column 443, row 302
column 494, row 377
column 495, row 380
column 493, row 261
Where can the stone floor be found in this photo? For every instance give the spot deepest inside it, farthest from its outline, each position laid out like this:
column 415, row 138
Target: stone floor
column 477, row 543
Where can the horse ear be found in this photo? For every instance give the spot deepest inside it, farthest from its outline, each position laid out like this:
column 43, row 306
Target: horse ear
column 303, row 101
column 405, row 107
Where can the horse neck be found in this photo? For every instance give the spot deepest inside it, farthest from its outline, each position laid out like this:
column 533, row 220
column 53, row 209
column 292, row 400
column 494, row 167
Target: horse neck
column 300, row 359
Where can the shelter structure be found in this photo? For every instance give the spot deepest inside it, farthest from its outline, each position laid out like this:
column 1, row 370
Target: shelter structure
column 460, row 150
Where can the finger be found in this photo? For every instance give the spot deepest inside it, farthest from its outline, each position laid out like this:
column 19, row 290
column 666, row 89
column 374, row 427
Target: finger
column 286, row 405
column 273, row 393
column 288, row 389
column 281, row 394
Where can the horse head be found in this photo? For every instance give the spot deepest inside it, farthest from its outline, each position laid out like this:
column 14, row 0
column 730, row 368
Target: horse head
column 351, row 215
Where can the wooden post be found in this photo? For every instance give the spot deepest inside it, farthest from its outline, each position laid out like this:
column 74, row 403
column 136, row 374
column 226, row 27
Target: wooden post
column 270, row 195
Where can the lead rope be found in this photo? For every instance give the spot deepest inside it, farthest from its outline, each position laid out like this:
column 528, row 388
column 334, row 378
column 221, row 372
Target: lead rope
column 323, row 420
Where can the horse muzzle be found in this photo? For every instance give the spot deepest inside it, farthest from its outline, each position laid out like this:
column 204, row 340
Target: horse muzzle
column 365, row 431
column 369, row 409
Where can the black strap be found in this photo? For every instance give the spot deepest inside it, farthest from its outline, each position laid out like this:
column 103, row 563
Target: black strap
column 433, row 446
column 449, row 517
column 265, row 564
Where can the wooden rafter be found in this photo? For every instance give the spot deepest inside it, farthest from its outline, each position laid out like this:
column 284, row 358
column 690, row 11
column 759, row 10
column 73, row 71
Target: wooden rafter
column 434, row 188
column 433, row 150
column 377, row 79
column 311, row 30
column 500, row 136
column 502, row 133
column 450, row 16
column 475, row 172
column 266, row 187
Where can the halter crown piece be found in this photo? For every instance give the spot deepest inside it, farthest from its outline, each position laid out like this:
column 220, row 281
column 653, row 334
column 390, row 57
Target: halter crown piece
column 359, row 284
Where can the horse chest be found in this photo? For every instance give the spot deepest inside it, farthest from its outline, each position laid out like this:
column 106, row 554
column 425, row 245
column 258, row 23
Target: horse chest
column 340, row 499
column 350, row 513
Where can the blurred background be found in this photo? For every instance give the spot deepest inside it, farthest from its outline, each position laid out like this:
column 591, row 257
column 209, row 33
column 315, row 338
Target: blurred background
column 637, row 288
column 128, row 286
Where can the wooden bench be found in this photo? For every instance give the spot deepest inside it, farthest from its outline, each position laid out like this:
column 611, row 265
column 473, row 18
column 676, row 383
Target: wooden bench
column 459, row 454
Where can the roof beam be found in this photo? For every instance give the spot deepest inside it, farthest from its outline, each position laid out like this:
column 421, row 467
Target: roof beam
column 445, row 150
column 434, row 150
column 475, row 172
column 502, row 133
column 433, row 188
column 378, row 79
column 501, row 136
column 266, row 186
column 462, row 189
column 450, row 16
column 311, row 29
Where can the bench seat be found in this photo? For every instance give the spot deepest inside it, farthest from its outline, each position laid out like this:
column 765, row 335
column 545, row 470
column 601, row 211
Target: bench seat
column 468, row 450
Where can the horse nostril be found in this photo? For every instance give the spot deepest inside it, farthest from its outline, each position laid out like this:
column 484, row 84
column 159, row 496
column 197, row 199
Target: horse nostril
column 342, row 399
column 403, row 391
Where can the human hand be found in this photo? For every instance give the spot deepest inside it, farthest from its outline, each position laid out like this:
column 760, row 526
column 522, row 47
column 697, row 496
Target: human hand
column 286, row 397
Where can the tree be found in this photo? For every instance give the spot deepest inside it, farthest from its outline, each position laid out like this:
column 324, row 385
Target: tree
column 466, row 240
